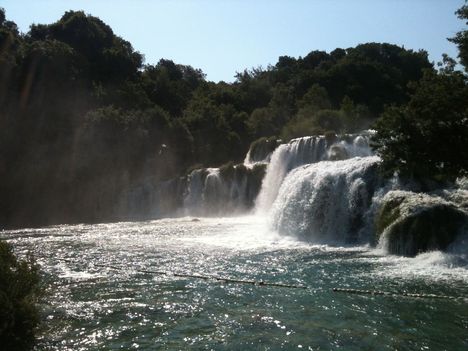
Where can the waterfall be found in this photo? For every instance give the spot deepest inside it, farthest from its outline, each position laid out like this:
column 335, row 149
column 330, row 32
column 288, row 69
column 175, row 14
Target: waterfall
column 326, row 202
column 323, row 189
column 194, row 188
column 303, row 151
column 233, row 189
column 228, row 190
column 326, row 189
column 151, row 199
column 320, row 188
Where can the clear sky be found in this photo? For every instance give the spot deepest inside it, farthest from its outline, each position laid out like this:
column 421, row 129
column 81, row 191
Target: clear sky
column 225, row 36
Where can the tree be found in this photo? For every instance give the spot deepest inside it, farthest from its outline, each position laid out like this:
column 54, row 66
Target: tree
column 261, row 123
column 170, row 85
column 9, row 47
column 461, row 38
column 106, row 57
column 374, row 74
column 426, row 138
column 214, row 140
column 316, row 98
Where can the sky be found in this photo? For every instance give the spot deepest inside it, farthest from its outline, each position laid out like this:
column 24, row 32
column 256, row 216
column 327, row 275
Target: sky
column 223, row 37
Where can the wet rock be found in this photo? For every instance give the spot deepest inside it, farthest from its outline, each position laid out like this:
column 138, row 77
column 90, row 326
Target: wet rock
column 337, row 152
column 261, row 149
column 411, row 223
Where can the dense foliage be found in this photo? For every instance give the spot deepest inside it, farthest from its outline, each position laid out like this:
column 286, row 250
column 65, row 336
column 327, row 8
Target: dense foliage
column 83, row 118
column 427, row 138
column 19, row 289
column 461, row 38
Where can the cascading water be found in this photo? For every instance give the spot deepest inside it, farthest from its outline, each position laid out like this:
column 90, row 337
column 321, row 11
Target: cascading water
column 323, row 189
column 152, row 199
column 303, row 151
column 220, row 191
column 326, row 202
column 194, row 192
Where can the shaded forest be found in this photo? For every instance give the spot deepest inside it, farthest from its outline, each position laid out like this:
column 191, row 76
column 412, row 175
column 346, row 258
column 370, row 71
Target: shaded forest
column 82, row 117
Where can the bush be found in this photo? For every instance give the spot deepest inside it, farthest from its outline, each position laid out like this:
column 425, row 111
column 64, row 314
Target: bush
column 19, row 290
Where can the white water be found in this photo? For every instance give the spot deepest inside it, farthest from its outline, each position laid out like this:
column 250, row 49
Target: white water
column 303, row 151
column 194, row 198
column 321, row 191
column 208, row 193
column 331, row 193
column 325, row 202
column 260, row 153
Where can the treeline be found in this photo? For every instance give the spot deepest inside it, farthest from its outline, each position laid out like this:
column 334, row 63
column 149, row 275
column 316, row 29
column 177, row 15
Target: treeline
column 83, row 118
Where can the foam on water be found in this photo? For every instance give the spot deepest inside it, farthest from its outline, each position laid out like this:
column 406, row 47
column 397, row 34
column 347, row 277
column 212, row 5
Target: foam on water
column 92, row 307
column 434, row 266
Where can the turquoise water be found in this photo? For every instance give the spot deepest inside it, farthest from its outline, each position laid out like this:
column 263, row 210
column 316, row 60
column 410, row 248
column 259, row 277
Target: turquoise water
column 99, row 297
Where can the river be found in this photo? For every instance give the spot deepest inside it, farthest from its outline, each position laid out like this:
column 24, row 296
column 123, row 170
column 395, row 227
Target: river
column 106, row 291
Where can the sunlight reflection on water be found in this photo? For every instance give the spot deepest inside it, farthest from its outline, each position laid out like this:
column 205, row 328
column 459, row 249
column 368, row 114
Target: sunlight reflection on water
column 100, row 297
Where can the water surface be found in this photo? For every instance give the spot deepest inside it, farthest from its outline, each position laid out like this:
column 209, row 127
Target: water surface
column 104, row 292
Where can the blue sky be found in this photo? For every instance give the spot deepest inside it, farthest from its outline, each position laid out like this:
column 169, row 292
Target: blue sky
column 225, row 36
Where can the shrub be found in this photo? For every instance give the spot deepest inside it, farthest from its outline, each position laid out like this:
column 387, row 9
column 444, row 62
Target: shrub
column 19, row 290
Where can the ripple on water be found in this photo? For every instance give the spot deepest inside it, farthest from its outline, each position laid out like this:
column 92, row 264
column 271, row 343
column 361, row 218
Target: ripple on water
column 102, row 294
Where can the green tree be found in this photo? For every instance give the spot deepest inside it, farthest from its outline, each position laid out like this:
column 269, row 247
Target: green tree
column 261, row 122
column 426, row 139
column 171, row 86
column 19, row 291
column 316, row 98
column 461, row 38
column 214, row 140
column 105, row 56
column 374, row 75
column 10, row 43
